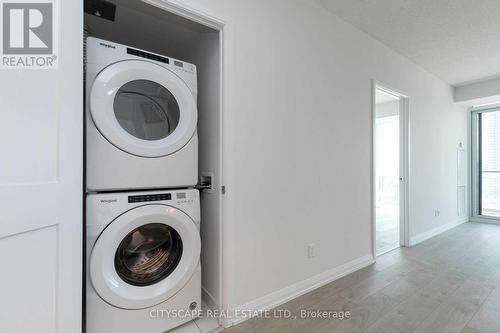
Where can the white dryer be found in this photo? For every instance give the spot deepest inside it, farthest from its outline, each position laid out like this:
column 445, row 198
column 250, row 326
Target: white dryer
column 142, row 261
column 141, row 119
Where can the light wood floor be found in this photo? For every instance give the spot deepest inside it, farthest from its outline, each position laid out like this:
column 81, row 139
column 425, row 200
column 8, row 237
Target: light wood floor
column 450, row 283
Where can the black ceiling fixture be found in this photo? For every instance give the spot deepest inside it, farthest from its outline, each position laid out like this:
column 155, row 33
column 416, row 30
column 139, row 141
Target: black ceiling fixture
column 101, row 8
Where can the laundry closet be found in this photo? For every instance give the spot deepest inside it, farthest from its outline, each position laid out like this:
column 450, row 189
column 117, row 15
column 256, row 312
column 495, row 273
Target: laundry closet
column 153, row 170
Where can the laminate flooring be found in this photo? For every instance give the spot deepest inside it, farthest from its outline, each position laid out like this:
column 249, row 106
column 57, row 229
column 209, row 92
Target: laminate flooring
column 449, row 283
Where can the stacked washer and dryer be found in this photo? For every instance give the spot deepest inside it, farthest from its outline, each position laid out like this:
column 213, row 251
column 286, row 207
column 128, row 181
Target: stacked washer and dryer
column 142, row 211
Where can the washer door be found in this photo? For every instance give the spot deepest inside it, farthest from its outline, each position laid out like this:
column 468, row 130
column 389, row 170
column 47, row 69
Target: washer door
column 144, row 256
column 143, row 108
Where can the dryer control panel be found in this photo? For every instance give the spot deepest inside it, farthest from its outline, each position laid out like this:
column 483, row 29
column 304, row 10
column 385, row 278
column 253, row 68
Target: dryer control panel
column 147, row 55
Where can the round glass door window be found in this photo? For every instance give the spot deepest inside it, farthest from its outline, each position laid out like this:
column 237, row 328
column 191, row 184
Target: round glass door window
column 148, row 254
column 146, row 110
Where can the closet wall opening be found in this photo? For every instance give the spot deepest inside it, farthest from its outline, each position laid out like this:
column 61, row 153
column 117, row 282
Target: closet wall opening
column 159, row 28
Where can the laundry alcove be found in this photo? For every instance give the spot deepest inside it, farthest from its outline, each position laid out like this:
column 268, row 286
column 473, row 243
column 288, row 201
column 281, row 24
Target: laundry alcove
column 154, row 27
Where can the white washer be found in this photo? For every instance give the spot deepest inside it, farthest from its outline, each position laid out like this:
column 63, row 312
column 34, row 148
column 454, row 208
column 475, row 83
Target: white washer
column 141, row 119
column 142, row 260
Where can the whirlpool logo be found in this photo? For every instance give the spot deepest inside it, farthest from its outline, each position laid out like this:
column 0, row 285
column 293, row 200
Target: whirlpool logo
column 28, row 34
column 108, row 201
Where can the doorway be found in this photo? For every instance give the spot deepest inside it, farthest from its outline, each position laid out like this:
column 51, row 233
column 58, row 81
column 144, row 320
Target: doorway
column 390, row 169
column 486, row 164
column 191, row 36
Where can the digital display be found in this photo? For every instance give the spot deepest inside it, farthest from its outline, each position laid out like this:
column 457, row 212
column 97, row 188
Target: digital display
column 181, row 195
column 178, row 63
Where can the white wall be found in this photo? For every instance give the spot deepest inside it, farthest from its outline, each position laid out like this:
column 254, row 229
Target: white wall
column 206, row 55
column 387, row 109
column 480, row 89
column 297, row 139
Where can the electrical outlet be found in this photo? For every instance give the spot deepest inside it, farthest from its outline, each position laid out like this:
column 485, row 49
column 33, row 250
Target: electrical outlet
column 437, row 212
column 311, row 253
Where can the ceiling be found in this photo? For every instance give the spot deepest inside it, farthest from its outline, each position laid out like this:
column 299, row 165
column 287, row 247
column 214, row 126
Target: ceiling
column 144, row 26
column 457, row 40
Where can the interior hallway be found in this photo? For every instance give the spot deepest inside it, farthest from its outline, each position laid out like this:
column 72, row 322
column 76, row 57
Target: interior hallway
column 387, row 228
column 450, row 283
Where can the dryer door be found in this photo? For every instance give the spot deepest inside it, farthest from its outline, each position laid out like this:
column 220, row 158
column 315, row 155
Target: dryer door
column 145, row 256
column 143, row 108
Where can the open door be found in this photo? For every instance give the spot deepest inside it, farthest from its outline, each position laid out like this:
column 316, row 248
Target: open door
column 390, row 163
column 41, row 185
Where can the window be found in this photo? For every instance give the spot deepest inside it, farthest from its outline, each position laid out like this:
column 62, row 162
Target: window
column 486, row 163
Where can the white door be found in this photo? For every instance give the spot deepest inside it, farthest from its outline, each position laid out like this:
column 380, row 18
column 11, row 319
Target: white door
column 41, row 188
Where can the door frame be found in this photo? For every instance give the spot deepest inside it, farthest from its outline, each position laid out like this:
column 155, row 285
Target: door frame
column 404, row 165
column 474, row 167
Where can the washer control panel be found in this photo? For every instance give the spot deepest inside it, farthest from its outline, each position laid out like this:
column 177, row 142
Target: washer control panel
column 184, row 197
column 180, row 197
column 149, row 197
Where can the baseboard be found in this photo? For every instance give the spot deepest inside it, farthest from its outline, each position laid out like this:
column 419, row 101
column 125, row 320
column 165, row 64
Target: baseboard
column 436, row 231
column 284, row 295
column 487, row 220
